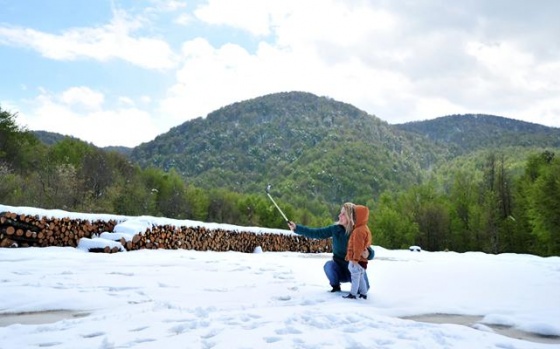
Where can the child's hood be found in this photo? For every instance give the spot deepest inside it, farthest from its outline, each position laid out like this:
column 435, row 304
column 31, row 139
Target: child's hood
column 362, row 215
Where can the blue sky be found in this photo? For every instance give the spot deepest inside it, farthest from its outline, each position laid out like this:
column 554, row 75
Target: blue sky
column 122, row 72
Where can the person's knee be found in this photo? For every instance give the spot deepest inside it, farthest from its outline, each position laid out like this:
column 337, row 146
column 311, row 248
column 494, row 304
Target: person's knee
column 329, row 266
column 331, row 271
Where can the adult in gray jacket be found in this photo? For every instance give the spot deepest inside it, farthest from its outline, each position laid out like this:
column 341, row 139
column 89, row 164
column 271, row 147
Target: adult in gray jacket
column 336, row 269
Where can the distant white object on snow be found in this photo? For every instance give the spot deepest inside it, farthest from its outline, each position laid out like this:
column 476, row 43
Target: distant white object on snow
column 415, row 249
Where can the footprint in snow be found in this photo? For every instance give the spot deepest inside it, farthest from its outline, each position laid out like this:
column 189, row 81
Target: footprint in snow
column 283, row 298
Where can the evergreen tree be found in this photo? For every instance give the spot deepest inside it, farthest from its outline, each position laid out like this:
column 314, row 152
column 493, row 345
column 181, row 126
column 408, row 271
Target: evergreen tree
column 544, row 205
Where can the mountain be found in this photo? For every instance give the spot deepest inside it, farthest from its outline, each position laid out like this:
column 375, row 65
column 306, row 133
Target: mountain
column 471, row 132
column 318, row 147
column 313, row 148
column 50, row 138
column 119, row 149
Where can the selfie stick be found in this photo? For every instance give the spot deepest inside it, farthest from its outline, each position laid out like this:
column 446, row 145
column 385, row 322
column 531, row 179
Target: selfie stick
column 274, row 202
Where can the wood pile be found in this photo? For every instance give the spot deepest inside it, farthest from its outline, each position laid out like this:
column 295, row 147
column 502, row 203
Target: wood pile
column 20, row 230
column 202, row 239
column 27, row 231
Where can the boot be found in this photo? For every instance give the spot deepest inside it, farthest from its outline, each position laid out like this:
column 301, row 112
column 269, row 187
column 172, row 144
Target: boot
column 363, row 296
column 336, row 288
column 349, row 296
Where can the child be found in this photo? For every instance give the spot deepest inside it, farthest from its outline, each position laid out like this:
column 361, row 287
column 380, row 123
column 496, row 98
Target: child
column 359, row 240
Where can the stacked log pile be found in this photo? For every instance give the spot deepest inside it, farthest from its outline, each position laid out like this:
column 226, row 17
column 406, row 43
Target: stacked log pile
column 202, row 239
column 27, row 231
column 20, row 230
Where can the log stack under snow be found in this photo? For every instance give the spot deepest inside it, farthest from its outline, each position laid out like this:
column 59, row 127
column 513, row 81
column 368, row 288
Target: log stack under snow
column 26, row 231
column 20, row 230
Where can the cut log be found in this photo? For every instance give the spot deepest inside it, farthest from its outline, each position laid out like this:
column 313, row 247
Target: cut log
column 10, row 230
column 6, row 242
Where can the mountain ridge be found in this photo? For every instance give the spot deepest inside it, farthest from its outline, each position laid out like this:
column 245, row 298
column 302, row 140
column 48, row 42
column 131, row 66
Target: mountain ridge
column 470, row 132
column 324, row 149
column 285, row 138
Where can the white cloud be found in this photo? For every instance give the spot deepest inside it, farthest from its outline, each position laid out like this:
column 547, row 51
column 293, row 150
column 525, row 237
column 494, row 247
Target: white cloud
column 63, row 113
column 327, row 48
column 249, row 15
column 111, row 41
column 126, row 101
column 167, row 5
column 400, row 63
column 503, row 61
column 298, row 59
column 348, row 27
column 295, row 22
column 146, row 99
column 83, row 96
column 184, row 19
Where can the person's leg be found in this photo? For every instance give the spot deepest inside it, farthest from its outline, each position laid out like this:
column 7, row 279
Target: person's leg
column 362, row 289
column 366, row 280
column 345, row 275
column 332, row 270
column 356, row 272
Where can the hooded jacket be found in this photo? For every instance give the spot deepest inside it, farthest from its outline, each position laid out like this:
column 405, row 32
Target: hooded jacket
column 360, row 239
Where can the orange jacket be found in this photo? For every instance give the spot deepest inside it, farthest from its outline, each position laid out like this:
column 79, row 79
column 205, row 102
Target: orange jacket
column 360, row 238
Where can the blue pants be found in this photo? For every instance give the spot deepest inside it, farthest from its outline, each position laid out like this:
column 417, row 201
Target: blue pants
column 336, row 274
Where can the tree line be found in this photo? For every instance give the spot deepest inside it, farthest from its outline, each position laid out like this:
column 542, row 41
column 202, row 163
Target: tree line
column 490, row 209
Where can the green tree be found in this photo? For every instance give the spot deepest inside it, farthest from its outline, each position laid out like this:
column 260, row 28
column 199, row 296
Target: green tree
column 198, row 203
column 428, row 210
column 134, row 199
column 496, row 200
column 544, row 204
column 16, row 143
column 12, row 187
column 392, row 227
column 223, row 207
column 96, row 175
column 463, row 202
column 171, row 196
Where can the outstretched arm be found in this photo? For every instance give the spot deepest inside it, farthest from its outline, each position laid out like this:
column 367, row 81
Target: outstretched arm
column 315, row 233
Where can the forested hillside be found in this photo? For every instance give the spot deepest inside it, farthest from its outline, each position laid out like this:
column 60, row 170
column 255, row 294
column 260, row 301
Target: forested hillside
column 315, row 147
column 471, row 132
column 462, row 183
column 51, row 138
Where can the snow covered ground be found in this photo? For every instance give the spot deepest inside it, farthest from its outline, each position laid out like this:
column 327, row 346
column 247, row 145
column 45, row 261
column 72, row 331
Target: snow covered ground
column 67, row 298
